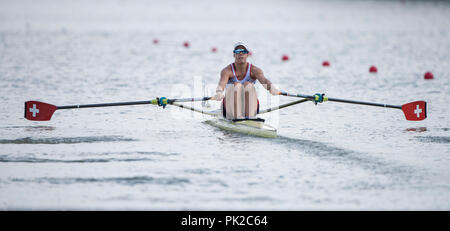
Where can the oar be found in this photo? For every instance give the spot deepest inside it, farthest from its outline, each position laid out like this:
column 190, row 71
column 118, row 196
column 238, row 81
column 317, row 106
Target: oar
column 282, row 106
column 39, row 111
column 414, row 111
column 195, row 109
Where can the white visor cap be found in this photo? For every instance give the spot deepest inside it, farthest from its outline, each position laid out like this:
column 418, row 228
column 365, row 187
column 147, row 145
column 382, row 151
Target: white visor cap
column 240, row 44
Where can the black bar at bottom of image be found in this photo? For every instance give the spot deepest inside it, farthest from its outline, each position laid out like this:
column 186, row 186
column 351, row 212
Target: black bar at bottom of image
column 223, row 220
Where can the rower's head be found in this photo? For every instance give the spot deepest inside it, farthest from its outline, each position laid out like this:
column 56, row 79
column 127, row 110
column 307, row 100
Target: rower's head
column 240, row 52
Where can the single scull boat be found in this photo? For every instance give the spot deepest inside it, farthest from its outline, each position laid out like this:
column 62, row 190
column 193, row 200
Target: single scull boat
column 39, row 111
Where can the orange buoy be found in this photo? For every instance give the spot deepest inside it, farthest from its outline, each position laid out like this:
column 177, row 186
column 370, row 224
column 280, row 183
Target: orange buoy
column 285, row 58
column 325, row 63
column 373, row 69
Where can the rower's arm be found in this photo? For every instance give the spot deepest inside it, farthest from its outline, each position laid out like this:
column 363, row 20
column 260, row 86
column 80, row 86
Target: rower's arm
column 223, row 80
column 224, row 76
column 259, row 75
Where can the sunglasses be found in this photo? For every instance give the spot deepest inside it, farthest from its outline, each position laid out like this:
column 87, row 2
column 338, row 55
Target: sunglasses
column 240, row 51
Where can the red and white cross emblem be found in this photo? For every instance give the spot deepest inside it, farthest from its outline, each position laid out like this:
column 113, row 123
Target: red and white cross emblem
column 34, row 110
column 418, row 111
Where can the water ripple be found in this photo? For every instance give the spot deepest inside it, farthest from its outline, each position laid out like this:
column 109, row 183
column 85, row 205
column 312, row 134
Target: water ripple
column 434, row 139
column 135, row 180
column 251, row 199
column 39, row 160
column 65, row 140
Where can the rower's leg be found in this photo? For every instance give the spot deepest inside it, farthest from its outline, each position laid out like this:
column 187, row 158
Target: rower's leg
column 229, row 102
column 251, row 100
column 233, row 101
column 238, row 90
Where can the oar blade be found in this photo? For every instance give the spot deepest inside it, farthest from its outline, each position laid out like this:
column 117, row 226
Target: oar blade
column 39, row 111
column 415, row 111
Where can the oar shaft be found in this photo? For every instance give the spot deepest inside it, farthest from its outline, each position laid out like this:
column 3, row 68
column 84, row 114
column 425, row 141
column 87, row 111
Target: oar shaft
column 364, row 103
column 154, row 101
column 344, row 101
column 195, row 109
column 105, row 104
column 282, row 106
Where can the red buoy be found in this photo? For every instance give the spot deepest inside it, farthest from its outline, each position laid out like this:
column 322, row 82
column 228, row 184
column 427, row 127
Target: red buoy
column 285, row 58
column 186, row 44
column 373, row 69
column 214, row 50
column 326, row 64
column 155, row 41
column 428, row 75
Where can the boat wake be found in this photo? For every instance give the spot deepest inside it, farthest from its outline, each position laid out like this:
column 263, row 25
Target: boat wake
column 367, row 161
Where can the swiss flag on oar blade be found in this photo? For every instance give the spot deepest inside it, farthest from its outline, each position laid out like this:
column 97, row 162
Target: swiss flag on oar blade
column 35, row 110
column 415, row 110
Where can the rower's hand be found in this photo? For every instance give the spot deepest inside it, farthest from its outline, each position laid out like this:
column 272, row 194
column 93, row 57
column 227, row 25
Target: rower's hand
column 274, row 91
column 318, row 98
column 218, row 96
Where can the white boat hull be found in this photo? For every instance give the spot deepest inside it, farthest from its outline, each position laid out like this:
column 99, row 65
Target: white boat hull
column 249, row 127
